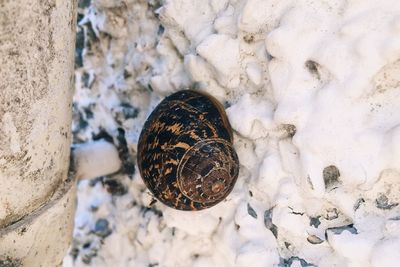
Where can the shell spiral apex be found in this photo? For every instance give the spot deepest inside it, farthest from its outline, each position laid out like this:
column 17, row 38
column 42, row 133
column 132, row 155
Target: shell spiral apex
column 185, row 152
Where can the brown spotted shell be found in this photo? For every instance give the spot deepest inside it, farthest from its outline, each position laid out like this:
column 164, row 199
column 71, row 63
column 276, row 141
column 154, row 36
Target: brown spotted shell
column 185, row 153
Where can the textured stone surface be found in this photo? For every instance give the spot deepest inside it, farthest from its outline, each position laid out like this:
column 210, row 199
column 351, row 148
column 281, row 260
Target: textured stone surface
column 36, row 58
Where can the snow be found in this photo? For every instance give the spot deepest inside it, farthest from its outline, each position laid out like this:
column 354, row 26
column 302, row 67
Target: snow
column 94, row 159
column 222, row 53
column 312, row 91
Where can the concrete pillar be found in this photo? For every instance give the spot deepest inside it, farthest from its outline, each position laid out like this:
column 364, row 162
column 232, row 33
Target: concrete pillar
column 37, row 198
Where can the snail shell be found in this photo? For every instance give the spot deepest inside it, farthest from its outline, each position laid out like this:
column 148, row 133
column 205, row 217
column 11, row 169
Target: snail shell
column 185, row 152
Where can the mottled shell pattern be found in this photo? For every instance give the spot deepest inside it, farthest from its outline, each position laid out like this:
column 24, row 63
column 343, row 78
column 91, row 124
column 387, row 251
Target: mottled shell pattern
column 185, row 152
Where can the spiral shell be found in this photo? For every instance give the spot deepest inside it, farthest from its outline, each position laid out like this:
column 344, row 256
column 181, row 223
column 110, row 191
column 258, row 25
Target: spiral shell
column 185, row 153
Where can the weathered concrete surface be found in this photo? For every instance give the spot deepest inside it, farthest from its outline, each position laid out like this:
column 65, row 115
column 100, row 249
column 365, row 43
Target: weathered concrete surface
column 36, row 73
column 42, row 237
